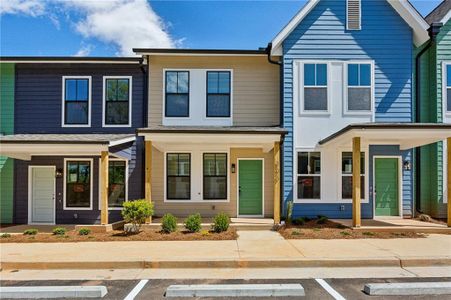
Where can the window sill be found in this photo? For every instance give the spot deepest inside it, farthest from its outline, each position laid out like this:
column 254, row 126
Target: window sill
column 319, row 201
column 314, row 114
column 77, row 208
column 76, row 126
column 196, row 201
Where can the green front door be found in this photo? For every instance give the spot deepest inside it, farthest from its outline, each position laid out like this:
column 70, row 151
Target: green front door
column 387, row 186
column 250, row 184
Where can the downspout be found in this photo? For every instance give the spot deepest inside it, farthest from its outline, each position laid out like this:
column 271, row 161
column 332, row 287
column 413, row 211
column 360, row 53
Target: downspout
column 433, row 31
column 145, row 70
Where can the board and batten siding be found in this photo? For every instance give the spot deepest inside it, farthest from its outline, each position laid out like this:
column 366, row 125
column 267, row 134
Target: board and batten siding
column 255, row 86
column 7, row 83
column 385, row 38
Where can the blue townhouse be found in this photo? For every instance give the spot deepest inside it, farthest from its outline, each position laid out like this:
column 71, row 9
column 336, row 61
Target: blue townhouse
column 349, row 107
column 74, row 123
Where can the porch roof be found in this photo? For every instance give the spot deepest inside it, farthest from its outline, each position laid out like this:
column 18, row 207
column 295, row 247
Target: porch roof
column 214, row 129
column 23, row 146
column 406, row 135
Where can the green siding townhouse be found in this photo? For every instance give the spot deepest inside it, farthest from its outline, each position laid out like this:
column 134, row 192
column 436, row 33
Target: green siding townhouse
column 434, row 106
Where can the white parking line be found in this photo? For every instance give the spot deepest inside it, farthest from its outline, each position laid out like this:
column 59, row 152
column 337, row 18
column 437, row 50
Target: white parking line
column 136, row 290
column 329, row 289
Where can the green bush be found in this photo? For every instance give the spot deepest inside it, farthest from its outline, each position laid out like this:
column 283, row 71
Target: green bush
column 30, row 231
column 169, row 223
column 136, row 212
column 322, row 220
column 84, row 231
column 59, row 231
column 367, row 233
column 193, row 223
column 344, row 233
column 298, row 221
column 5, row 235
column 221, row 223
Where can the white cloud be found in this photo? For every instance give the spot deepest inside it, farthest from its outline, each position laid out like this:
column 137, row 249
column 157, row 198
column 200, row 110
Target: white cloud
column 32, row 8
column 84, row 50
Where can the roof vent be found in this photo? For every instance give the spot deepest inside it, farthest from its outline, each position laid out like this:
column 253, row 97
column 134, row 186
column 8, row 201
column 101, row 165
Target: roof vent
column 353, row 14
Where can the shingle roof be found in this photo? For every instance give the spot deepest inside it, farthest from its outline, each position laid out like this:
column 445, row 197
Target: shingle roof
column 64, row 138
column 439, row 12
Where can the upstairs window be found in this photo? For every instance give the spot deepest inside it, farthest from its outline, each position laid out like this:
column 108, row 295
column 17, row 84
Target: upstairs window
column 346, row 175
column 117, row 106
column 177, row 94
column 76, row 100
column 218, row 94
column 315, row 88
column 448, row 88
column 309, row 175
column 359, row 88
column 353, row 14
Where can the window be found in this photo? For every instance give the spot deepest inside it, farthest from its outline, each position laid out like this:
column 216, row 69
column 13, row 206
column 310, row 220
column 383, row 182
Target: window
column 346, row 175
column 178, row 168
column 359, row 88
column 215, row 176
column 309, row 175
column 315, row 87
column 218, row 94
column 117, row 180
column 177, row 94
column 353, row 15
column 117, row 93
column 76, row 101
column 78, row 184
column 448, row 88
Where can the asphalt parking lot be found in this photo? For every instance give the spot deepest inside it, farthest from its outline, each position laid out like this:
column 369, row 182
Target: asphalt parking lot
column 155, row 289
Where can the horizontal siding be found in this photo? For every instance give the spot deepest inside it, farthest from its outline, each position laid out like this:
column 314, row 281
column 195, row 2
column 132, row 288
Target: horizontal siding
column 255, row 86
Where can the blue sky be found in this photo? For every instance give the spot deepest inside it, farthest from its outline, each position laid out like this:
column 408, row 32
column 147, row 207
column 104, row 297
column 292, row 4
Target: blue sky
column 113, row 27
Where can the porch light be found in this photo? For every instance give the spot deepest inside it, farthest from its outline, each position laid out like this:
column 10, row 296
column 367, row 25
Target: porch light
column 406, row 165
column 233, row 168
column 59, row 173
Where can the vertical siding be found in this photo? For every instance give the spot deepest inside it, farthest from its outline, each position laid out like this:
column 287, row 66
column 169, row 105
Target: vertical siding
column 384, row 38
column 7, row 76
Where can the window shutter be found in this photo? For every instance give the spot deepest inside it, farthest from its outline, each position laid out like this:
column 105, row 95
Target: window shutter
column 353, row 11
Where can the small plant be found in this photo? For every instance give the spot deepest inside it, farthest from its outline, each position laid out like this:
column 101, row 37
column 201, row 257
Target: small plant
column 169, row 223
column 5, row 235
column 345, row 233
column 299, row 221
column 295, row 232
column 136, row 212
column 31, row 231
column 289, row 212
column 84, row 231
column 205, row 232
column 367, row 233
column 221, row 223
column 59, row 231
column 193, row 223
column 322, row 220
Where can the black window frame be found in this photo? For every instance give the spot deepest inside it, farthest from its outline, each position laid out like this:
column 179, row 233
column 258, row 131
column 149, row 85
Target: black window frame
column 112, row 163
column 87, row 101
column 229, row 94
column 362, row 173
column 128, row 101
column 89, row 182
column 311, row 172
column 178, row 171
column 215, row 176
column 166, row 93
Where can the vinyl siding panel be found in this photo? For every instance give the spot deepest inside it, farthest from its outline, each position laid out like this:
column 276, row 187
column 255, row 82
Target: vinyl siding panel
column 255, row 86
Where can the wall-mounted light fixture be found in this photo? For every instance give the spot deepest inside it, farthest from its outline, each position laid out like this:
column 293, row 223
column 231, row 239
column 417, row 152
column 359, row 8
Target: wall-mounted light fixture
column 406, row 165
column 59, row 173
column 233, row 168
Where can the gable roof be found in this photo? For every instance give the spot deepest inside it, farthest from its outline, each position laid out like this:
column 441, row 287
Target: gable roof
column 441, row 14
column 403, row 7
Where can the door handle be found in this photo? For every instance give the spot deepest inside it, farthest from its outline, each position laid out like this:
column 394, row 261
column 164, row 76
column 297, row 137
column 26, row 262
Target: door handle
column 239, row 190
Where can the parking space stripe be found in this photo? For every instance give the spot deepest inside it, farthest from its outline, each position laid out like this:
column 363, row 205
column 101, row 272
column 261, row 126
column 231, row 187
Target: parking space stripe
column 136, row 290
column 329, row 289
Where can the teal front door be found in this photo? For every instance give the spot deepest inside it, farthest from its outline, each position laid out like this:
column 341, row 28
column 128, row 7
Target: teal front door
column 386, row 186
column 250, row 187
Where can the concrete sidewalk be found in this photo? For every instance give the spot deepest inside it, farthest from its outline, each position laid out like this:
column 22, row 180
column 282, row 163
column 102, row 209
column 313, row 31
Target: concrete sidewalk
column 258, row 249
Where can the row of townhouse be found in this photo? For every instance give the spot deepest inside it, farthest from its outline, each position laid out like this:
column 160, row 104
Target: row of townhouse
column 328, row 116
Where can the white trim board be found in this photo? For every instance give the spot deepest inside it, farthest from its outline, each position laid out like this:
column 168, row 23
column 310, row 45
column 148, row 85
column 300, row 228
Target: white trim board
column 30, row 196
column 238, row 187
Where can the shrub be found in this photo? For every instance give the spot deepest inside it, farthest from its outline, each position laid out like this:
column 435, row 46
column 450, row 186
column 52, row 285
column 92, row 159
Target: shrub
column 322, row 220
column 169, row 223
column 31, row 231
column 367, row 233
column 299, row 221
column 59, row 231
column 136, row 212
column 84, row 231
column 295, row 232
column 205, row 232
column 5, row 235
column 221, row 223
column 345, row 233
column 193, row 223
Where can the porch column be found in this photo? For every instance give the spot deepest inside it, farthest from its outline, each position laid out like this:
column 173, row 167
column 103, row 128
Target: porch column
column 148, row 174
column 276, row 182
column 448, row 147
column 356, row 215
column 104, row 187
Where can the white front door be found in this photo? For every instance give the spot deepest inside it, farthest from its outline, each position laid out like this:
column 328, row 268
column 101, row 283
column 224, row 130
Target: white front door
column 42, row 194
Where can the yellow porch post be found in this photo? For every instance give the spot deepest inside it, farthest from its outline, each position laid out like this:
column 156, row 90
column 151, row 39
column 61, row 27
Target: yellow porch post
column 356, row 214
column 448, row 187
column 276, row 182
column 148, row 174
column 104, row 187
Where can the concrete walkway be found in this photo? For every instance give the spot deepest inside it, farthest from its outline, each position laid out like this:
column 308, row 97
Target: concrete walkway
column 260, row 249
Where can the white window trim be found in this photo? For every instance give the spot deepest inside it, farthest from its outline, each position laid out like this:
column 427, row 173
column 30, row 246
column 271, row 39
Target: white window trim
column 164, row 95
column 340, row 175
column 360, row 17
column 302, row 111
column 227, row 199
column 63, row 96
column 346, row 86
column 231, row 94
column 296, row 175
column 445, row 113
column 130, row 93
column 126, row 183
column 91, row 160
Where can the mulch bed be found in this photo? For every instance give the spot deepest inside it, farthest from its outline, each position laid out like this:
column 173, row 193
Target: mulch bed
column 331, row 230
column 116, row 236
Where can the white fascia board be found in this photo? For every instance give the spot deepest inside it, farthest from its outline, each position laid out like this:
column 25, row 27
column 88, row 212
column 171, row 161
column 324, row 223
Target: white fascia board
column 446, row 18
column 122, row 141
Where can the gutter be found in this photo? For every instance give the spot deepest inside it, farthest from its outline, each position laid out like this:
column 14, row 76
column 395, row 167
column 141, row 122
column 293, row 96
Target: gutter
column 434, row 30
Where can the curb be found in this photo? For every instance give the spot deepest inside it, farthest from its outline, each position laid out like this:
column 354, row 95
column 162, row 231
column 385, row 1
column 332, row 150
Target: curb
column 234, row 263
